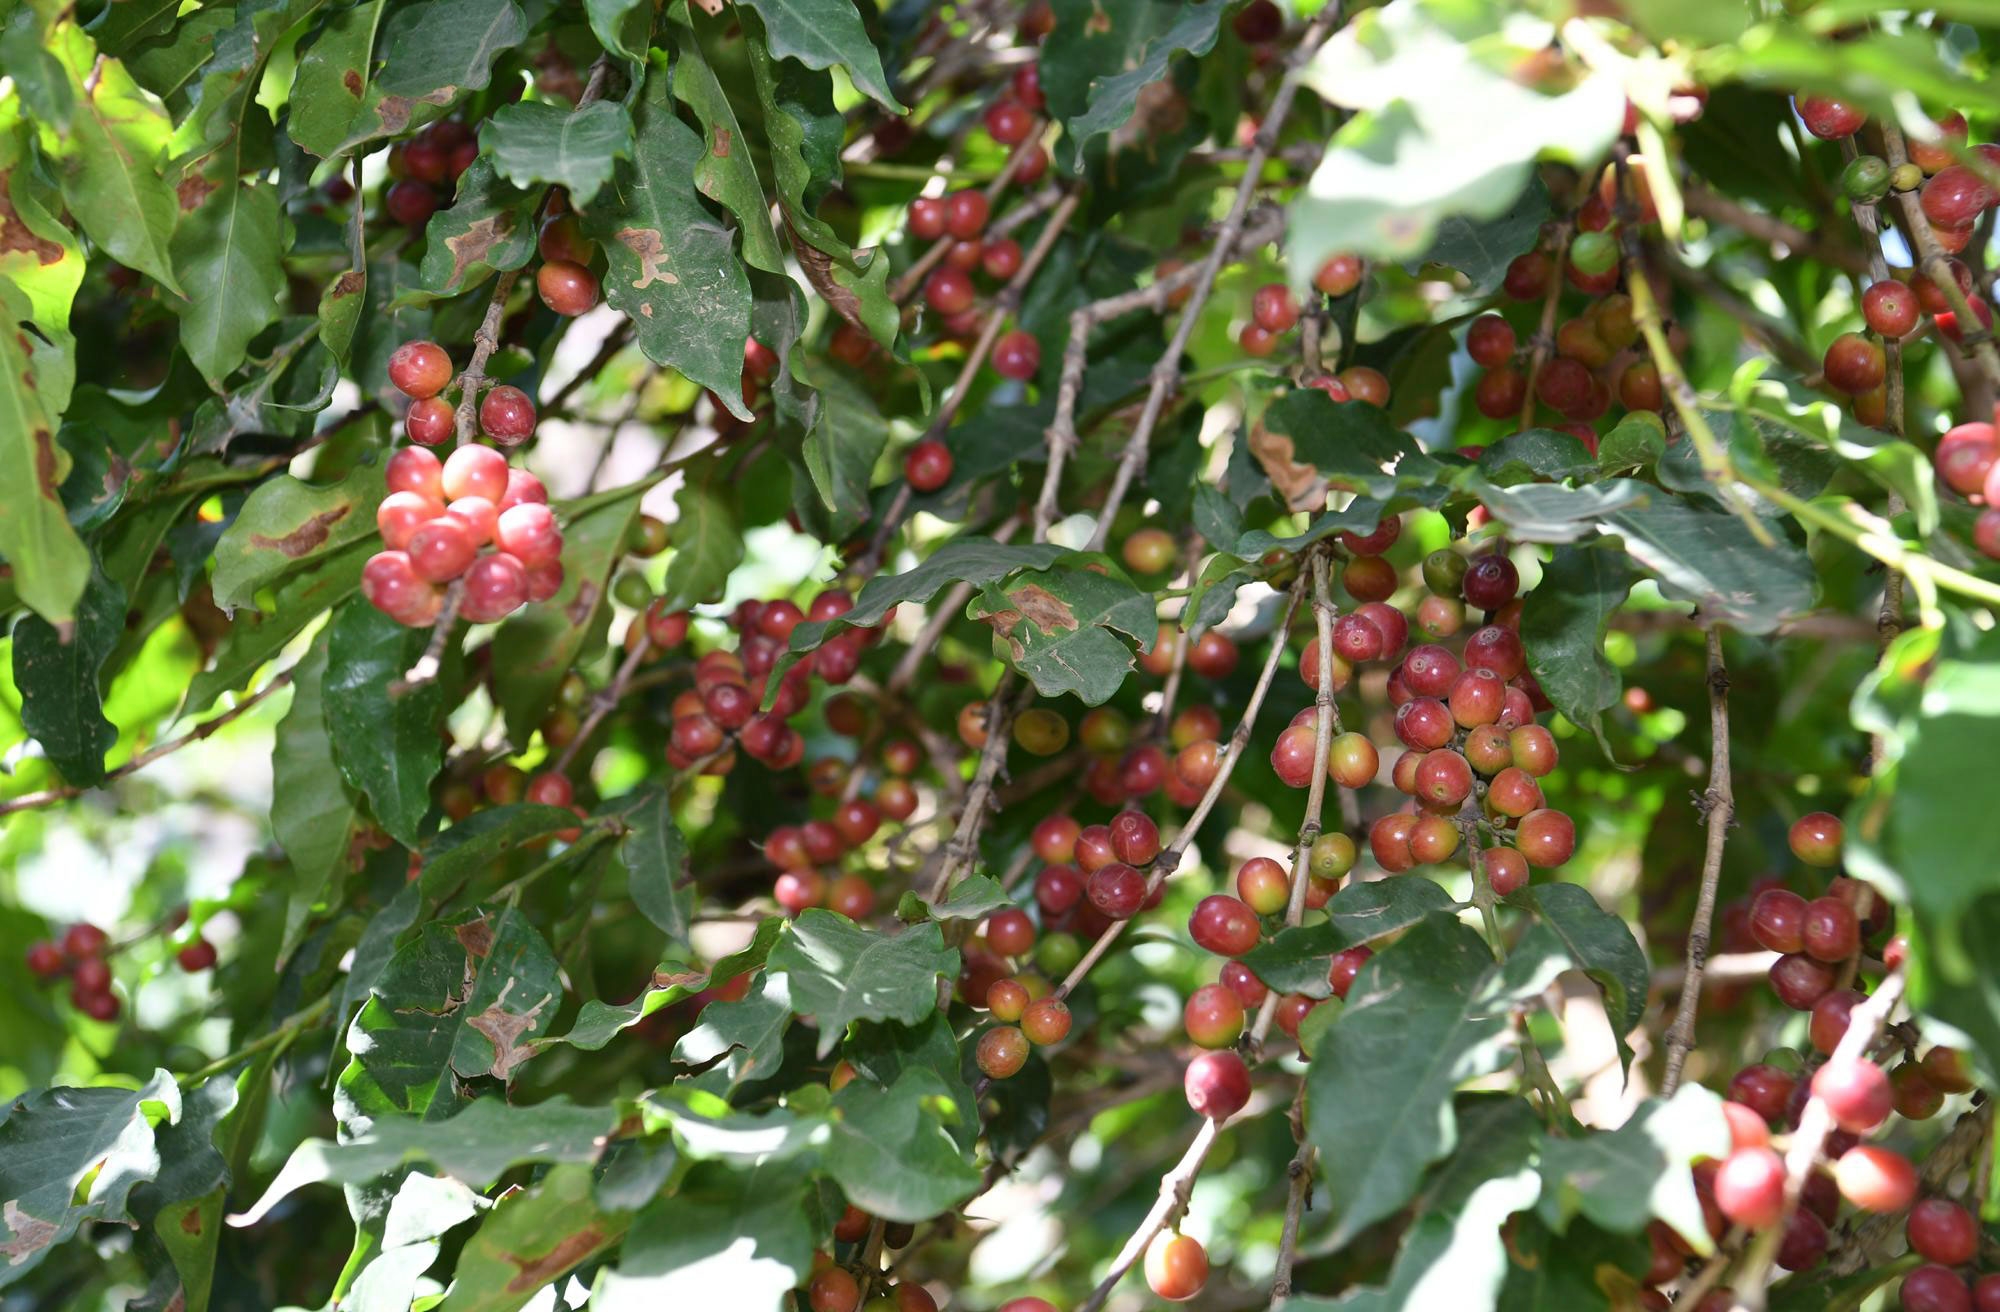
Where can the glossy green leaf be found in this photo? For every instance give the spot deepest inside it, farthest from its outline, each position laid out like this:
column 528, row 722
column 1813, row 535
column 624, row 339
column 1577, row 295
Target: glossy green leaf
column 51, row 566
column 725, row 173
column 740, row 1042
column 255, row 638
column 488, row 226
column 708, row 541
column 891, row 1151
column 532, row 1239
column 438, row 48
column 315, row 816
column 385, row 740
column 333, row 79
column 840, row 972
column 1563, row 619
column 1424, row 1016
column 656, row 863
column 1295, row 960
column 1114, row 92
column 73, row 1156
column 842, row 448
column 1621, row 1179
column 534, row 143
column 745, row 1229
column 825, row 34
column 1057, row 627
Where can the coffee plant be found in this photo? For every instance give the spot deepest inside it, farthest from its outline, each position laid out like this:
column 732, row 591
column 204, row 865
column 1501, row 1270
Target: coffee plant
column 807, row 656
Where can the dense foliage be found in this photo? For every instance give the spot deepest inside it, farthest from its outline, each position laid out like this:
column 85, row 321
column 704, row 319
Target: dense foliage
column 781, row 655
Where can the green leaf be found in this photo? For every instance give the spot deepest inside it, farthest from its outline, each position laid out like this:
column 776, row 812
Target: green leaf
column 1306, row 441
column 1295, row 960
column 708, row 543
column 43, row 260
column 1455, row 1256
column 481, row 843
column 740, row 1042
column 228, row 252
column 1440, row 128
column 1584, row 1270
column 1424, row 1016
column 475, row 1146
column 59, row 675
column 255, row 638
column 671, row 268
column 840, row 972
column 1481, row 249
column 531, row 1239
column 182, row 1204
column 464, row 1001
column 532, row 143
column 543, row 640
column 1621, row 1179
column 891, row 1152
column 1538, row 455
column 1056, row 627
column 438, row 48
column 1562, row 625
column 490, row 226
column 51, row 566
column 725, row 173
column 971, row 898
column 621, row 27
column 1545, row 512
column 1635, row 442
column 54, row 1141
column 315, row 816
column 842, row 448
column 826, row 34
column 745, row 1229
column 1709, row 557
column 1114, row 94
column 656, row 859
column 287, row 522
column 109, row 162
column 1602, row 946
column 386, row 741
column 962, row 559
column 333, row 80
column 597, row 1023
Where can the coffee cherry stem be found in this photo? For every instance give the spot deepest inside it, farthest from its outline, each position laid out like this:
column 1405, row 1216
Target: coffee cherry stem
column 1166, row 373
column 1809, row 1140
column 607, row 698
column 1718, row 812
column 428, row 664
column 485, row 342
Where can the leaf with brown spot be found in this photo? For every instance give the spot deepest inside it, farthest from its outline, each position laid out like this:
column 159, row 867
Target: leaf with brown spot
column 489, row 226
column 1057, row 626
column 50, row 563
column 476, row 937
column 531, row 1239
column 504, row 1029
column 651, row 252
column 287, row 522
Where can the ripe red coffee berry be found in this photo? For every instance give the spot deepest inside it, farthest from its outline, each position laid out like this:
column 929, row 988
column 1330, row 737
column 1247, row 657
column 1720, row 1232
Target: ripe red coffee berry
column 566, row 287
column 1815, row 839
column 1339, row 275
column 1135, row 839
column 1223, row 925
column 496, row 585
column 927, row 465
column 1943, row 1232
column 927, row 217
column 196, row 956
column 1346, row 964
column 1213, row 1016
column 1009, row 122
column 1875, row 1179
column 1117, row 891
column 1750, row 1187
column 507, row 416
column 965, row 214
column 1217, row 1084
column 1890, row 308
column 1002, row 1052
column 1546, row 838
column 1046, row 1021
column 1830, row 931
column 1017, row 355
column 1856, row 1093
column 1490, row 341
column 949, row 291
column 1273, row 308
column 1800, row 980
column 1176, row 1266
column 419, row 369
column 1778, row 920
column 1854, row 364
column 1934, row 1288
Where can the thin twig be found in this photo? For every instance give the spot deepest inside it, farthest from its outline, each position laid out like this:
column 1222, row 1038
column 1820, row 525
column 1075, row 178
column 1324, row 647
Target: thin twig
column 28, row 801
column 432, row 660
column 608, row 697
column 961, row 853
column 1166, row 373
column 1175, row 1187
column 1820, row 246
column 1544, row 343
column 1299, row 1173
column 485, row 342
column 1718, row 813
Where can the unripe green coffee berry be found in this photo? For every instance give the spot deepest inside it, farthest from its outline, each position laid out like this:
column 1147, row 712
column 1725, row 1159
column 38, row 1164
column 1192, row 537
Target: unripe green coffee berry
column 631, row 589
column 1057, row 954
column 1906, row 177
column 1332, row 856
column 1866, row 178
column 1594, row 252
column 1444, row 572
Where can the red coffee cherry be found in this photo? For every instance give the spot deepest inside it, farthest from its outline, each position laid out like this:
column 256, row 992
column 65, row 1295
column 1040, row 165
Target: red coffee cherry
column 927, row 217
column 1854, row 364
column 965, row 214
column 927, row 466
column 1546, row 838
column 420, row 369
column 1117, row 891
column 1934, row 1288
column 1856, row 1093
column 1221, row 924
column 1815, row 839
column 1009, row 122
column 1943, row 1232
column 507, row 416
column 1176, row 1266
column 1273, row 308
column 948, row 290
column 1778, row 920
column 1213, row 1016
column 1046, row 1021
column 1002, row 1052
column 1017, row 355
column 1890, row 308
column 1217, row 1084
column 567, row 288
column 1346, row 964
column 1750, row 1187
column 1339, row 275
column 1490, row 341
column 410, row 203
column 1800, row 981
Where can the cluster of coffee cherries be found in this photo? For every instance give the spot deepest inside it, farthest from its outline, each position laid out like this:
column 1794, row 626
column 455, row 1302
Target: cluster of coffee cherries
column 82, row 955
column 438, row 520
column 1818, row 937
column 1274, row 311
column 1968, row 462
column 832, row 1287
column 1465, row 718
column 422, row 371
column 424, row 169
column 1597, row 357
